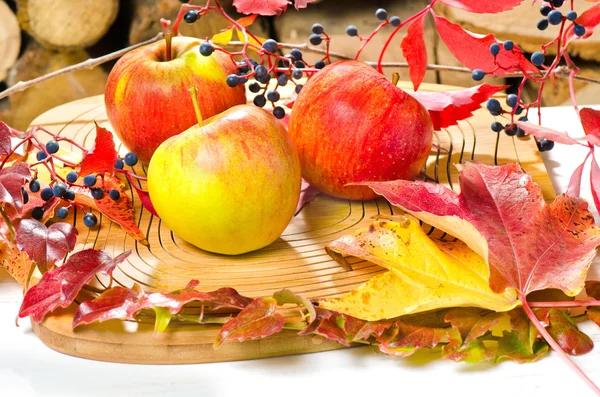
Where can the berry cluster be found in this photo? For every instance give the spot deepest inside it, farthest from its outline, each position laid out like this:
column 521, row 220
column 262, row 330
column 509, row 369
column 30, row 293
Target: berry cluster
column 553, row 16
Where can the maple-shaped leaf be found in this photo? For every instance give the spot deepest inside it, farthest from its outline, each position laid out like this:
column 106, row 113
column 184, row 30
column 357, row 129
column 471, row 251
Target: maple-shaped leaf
column 103, row 155
column 449, row 107
column 119, row 211
column 5, row 141
column 261, row 7
column 501, row 214
column 60, row 286
column 117, row 302
column 589, row 19
column 483, row 6
column 473, row 50
column 45, row 245
column 423, row 274
column 258, row 320
column 565, row 331
column 414, row 50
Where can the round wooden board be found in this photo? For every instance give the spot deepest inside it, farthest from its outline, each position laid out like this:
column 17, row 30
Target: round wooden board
column 297, row 260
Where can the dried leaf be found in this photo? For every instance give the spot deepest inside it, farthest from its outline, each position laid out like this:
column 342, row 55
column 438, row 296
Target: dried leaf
column 264, row 7
column 103, row 155
column 45, row 245
column 423, row 274
column 414, row 50
column 483, row 6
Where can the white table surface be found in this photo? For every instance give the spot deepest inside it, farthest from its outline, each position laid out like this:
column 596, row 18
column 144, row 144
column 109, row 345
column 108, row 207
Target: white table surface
column 29, row 368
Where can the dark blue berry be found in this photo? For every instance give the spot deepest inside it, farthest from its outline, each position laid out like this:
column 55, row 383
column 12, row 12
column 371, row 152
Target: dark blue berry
column 89, row 180
column 41, row 155
column 381, row 14
column 519, row 110
column 261, row 71
column 509, row 45
column 299, row 65
column 37, row 213
column 395, row 21
column 477, row 74
column 90, row 220
column 25, row 195
column 46, row 194
column 191, row 16
column 254, row 87
column 351, row 31
column 232, row 80
column 119, row 164
column 130, row 159
column 317, row 28
column 579, row 30
column 497, row 127
column 69, row 195
column 72, row 177
column 319, row 64
column 114, row 194
column 558, row 3
column 545, row 10
column 273, row 96
column 555, row 17
column 297, row 54
column 493, row 105
column 34, row 186
column 298, row 88
column 315, row 39
column 206, row 49
column 495, row 49
column 62, row 212
column 282, row 80
column 278, row 112
column 260, row 101
column 297, row 74
column 510, row 130
column 243, row 79
column 545, row 145
column 512, row 100
column 571, row 15
column 270, row 45
column 59, row 189
column 264, row 79
column 97, row 193
column 523, row 119
column 52, row 147
column 537, row 58
column 542, row 24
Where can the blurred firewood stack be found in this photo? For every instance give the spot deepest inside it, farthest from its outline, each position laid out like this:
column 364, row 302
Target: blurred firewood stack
column 40, row 36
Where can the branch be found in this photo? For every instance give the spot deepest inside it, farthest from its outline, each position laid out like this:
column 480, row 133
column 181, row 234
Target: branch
column 87, row 64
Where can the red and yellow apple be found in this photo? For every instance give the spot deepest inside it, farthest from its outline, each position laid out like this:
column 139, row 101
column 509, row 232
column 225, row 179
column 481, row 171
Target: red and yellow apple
column 350, row 124
column 147, row 98
column 230, row 185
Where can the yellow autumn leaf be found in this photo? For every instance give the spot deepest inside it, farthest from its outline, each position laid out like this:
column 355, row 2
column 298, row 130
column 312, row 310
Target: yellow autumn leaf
column 250, row 38
column 424, row 274
column 223, row 37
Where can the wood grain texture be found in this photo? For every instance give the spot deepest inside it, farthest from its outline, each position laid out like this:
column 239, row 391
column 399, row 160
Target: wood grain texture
column 296, row 261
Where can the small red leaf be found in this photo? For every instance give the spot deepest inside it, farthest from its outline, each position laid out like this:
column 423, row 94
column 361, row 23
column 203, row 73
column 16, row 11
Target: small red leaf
column 589, row 19
column 116, row 302
column 449, row 107
column 483, row 6
column 45, row 246
column 102, row 157
column 60, row 286
column 247, row 20
column 414, row 50
column 473, row 50
column 258, row 320
column 5, row 142
column 144, row 197
column 302, row 3
column 307, row 194
column 574, row 188
column 262, row 7
column 590, row 120
column 547, row 133
column 12, row 181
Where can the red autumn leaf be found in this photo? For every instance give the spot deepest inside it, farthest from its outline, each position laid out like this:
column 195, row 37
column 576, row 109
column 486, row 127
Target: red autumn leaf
column 12, row 180
column 35, row 201
column 116, row 302
column 144, row 197
column 448, row 108
column 595, row 182
column 119, row 211
column 410, row 338
column 547, row 133
column 574, row 188
column 589, row 19
column 60, row 286
column 5, row 142
column 307, row 194
column 247, row 20
column 103, row 155
column 174, row 301
column 501, row 214
column 258, row 320
column 414, row 50
column 473, row 50
column 590, row 120
column 262, row 7
column 302, row 3
column 565, row 332
column 45, row 245
column 483, row 6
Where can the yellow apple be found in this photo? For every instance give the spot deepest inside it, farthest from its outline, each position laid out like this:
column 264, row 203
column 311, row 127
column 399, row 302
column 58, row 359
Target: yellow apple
column 229, row 185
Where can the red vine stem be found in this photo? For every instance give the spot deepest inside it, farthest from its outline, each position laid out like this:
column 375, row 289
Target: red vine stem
column 589, row 303
column 368, row 39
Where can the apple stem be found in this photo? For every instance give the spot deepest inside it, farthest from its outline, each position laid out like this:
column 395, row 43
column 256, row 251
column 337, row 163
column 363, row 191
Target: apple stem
column 168, row 39
column 194, row 94
column 395, row 78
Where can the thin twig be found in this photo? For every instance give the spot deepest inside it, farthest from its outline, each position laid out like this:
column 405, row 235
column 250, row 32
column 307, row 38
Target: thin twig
column 87, row 64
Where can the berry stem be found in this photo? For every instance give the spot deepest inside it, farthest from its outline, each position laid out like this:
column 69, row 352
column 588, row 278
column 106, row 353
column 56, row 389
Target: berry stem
column 194, row 95
column 368, row 39
column 576, row 303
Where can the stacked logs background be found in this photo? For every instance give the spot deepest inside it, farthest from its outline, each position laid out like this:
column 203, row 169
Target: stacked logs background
column 40, row 36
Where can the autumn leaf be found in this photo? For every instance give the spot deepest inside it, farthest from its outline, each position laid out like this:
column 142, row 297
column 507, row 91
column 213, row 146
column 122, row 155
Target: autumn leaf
column 590, row 120
column 414, row 50
column 223, row 37
column 144, row 197
column 247, row 20
column 286, row 296
column 5, row 141
column 565, row 331
column 45, row 245
column 589, row 19
column 103, row 155
column 298, row 4
column 16, row 262
column 546, row 133
column 117, row 302
column 447, row 108
column 501, row 214
column 60, row 286
column 423, row 274
column 473, row 50
column 410, row 338
column 12, row 180
column 258, row 320
column 307, row 194
column 470, row 327
column 263, row 7
column 483, row 6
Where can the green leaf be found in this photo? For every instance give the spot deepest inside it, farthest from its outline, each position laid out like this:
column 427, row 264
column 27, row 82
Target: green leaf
column 163, row 318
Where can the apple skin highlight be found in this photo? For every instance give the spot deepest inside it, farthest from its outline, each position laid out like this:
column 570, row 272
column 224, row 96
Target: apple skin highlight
column 147, row 98
column 350, row 124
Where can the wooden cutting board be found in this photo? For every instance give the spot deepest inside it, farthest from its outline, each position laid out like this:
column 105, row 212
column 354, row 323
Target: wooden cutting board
column 296, row 260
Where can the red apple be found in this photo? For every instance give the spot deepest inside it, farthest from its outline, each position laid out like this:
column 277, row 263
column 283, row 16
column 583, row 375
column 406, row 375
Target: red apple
column 147, row 97
column 350, row 124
